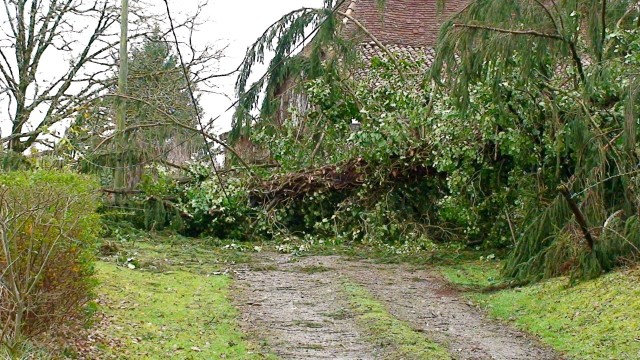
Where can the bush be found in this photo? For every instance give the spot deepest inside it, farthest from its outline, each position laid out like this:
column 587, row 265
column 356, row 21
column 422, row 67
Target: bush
column 48, row 232
column 10, row 160
column 224, row 214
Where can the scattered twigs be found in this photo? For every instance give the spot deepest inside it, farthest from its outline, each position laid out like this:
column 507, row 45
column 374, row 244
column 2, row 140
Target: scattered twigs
column 330, row 177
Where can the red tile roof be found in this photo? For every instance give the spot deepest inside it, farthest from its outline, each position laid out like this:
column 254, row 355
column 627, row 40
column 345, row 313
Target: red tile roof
column 404, row 22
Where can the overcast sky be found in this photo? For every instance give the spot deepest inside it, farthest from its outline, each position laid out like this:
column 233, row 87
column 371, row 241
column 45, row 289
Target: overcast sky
column 238, row 23
column 234, row 24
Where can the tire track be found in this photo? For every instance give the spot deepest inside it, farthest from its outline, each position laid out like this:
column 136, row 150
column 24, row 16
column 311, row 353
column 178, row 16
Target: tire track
column 296, row 305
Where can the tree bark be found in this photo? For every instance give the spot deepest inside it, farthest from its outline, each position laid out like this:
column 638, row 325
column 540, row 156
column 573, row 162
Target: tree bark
column 579, row 216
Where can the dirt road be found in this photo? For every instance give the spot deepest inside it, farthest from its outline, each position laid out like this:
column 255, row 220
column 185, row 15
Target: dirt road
column 297, row 308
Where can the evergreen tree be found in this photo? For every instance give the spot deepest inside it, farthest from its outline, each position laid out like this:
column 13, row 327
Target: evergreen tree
column 564, row 70
column 161, row 125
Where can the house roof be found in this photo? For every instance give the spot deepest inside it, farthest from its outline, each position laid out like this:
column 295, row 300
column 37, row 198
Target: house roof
column 408, row 28
column 404, row 23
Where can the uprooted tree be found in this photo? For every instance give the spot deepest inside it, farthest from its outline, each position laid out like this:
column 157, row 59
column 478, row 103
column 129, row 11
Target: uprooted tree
column 521, row 135
column 531, row 115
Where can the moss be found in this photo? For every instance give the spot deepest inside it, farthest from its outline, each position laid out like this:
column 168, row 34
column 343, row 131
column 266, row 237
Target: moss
column 397, row 338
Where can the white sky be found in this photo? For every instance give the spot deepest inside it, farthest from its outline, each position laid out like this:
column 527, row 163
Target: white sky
column 235, row 24
column 238, row 23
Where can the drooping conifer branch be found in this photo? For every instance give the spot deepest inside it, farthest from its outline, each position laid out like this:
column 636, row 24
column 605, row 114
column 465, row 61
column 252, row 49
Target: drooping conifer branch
column 509, row 31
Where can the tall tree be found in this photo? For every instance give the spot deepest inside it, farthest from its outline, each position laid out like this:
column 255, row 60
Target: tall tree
column 159, row 123
column 56, row 56
column 563, row 70
column 36, row 32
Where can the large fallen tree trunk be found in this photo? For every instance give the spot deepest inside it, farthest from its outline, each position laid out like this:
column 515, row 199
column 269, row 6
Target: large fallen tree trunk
column 347, row 176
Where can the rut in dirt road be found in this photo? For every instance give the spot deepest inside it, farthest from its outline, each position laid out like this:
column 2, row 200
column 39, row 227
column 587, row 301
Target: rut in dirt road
column 304, row 315
column 424, row 300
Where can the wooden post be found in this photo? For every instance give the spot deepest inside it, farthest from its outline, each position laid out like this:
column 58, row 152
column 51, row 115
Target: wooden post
column 121, row 115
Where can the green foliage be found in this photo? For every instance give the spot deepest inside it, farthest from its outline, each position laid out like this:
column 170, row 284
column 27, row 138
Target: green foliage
column 471, row 150
column 519, row 101
column 224, row 214
column 10, row 160
column 195, row 205
column 571, row 131
column 283, row 38
column 48, row 229
column 160, row 125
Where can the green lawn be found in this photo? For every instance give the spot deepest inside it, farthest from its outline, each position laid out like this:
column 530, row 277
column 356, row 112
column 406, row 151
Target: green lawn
column 596, row 319
column 474, row 274
column 167, row 306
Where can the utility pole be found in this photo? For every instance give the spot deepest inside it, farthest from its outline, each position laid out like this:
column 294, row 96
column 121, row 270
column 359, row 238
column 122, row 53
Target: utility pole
column 121, row 115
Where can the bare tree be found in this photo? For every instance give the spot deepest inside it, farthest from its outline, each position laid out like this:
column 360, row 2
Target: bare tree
column 39, row 29
column 81, row 39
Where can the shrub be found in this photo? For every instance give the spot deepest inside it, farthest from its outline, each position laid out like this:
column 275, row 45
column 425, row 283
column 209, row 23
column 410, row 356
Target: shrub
column 10, row 160
column 221, row 213
column 48, row 228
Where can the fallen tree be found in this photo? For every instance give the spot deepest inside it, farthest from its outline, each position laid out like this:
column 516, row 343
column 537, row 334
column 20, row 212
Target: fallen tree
column 347, row 176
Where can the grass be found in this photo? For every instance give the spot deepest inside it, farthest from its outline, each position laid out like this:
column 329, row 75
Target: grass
column 313, row 269
column 472, row 274
column 399, row 340
column 162, row 252
column 174, row 304
column 596, row 319
column 167, row 299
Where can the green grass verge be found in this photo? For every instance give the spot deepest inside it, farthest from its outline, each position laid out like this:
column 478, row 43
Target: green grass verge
column 161, row 252
column 596, row 319
column 472, row 274
column 397, row 338
column 177, row 315
column 166, row 298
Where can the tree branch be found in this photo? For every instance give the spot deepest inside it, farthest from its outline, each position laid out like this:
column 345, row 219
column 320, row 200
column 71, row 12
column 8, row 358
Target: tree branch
column 511, row 31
